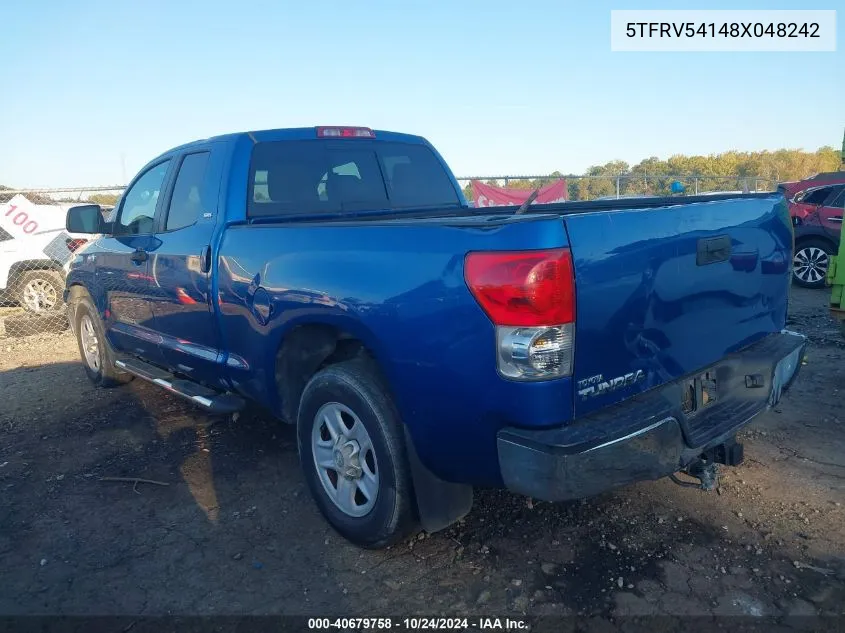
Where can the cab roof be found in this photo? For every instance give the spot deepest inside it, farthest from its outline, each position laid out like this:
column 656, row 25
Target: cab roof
column 295, row 134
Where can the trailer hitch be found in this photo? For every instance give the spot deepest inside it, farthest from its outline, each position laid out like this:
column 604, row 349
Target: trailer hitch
column 705, row 468
column 707, row 474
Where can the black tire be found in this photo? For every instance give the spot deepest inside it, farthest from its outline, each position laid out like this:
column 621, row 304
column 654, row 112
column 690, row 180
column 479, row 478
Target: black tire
column 105, row 374
column 811, row 260
column 356, row 385
column 50, row 284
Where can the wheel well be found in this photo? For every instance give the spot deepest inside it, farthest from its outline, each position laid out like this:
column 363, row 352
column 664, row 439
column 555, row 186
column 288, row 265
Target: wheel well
column 307, row 349
column 815, row 238
column 304, row 351
column 19, row 269
column 75, row 293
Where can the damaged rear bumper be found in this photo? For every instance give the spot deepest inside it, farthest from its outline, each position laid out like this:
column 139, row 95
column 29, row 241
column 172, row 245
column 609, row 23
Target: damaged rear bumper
column 649, row 436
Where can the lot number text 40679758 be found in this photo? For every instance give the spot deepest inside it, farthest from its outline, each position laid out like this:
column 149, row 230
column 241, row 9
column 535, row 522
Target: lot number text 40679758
column 418, row 624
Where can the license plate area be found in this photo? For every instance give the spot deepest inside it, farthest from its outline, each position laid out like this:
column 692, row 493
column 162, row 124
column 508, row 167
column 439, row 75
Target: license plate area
column 699, row 392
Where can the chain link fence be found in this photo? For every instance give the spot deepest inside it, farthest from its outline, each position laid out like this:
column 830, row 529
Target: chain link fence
column 595, row 187
column 35, row 248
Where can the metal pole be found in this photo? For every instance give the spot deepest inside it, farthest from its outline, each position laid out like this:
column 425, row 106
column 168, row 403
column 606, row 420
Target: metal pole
column 696, row 185
column 617, row 187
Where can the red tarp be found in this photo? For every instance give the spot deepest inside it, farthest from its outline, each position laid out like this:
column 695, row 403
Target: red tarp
column 489, row 196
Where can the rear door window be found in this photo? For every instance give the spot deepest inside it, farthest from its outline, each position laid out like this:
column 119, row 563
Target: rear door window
column 334, row 176
column 837, row 199
column 816, row 196
column 186, row 201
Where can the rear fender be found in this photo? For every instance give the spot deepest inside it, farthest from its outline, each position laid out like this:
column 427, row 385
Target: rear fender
column 342, row 324
column 439, row 503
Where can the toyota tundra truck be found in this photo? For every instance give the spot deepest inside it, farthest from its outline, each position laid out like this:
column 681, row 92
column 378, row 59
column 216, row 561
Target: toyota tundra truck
column 337, row 277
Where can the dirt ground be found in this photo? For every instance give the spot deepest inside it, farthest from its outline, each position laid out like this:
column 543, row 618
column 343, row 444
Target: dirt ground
column 235, row 531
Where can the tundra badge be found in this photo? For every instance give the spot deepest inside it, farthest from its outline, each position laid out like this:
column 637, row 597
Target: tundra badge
column 597, row 385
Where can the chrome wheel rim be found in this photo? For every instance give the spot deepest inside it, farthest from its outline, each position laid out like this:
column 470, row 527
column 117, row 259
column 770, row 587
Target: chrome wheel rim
column 40, row 295
column 810, row 264
column 345, row 459
column 90, row 344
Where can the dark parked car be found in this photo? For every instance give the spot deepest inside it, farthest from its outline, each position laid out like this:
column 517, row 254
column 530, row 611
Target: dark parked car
column 817, row 217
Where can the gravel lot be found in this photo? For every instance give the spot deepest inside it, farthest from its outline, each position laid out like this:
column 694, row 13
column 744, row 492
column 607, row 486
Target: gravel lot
column 235, row 531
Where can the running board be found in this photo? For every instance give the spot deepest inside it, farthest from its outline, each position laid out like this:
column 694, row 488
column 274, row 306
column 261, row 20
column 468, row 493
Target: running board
column 210, row 400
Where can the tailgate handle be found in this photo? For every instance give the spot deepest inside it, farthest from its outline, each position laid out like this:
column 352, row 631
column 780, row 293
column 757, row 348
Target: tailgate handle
column 713, row 249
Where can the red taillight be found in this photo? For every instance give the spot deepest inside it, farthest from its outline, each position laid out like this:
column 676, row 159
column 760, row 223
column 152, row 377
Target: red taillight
column 526, row 288
column 74, row 244
column 344, row 132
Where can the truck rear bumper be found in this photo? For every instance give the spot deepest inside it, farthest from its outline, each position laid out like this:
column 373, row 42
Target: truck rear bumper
column 654, row 434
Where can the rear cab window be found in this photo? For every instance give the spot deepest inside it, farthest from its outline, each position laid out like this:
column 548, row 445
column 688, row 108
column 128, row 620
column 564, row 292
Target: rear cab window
column 331, row 176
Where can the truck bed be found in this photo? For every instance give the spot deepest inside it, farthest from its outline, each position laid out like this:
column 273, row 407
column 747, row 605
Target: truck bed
column 491, row 213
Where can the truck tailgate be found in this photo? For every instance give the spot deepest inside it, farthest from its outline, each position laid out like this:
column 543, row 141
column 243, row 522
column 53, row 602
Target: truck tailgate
column 662, row 292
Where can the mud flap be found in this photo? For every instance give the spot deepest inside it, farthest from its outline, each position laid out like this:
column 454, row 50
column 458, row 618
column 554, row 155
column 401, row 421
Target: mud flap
column 439, row 503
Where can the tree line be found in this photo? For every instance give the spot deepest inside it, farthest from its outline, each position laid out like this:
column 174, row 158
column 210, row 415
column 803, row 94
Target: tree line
column 729, row 171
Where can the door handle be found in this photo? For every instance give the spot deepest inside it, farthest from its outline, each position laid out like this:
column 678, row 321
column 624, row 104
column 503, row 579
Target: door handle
column 205, row 259
column 835, row 218
column 139, row 256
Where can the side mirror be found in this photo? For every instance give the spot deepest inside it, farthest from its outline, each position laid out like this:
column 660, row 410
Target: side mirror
column 86, row 218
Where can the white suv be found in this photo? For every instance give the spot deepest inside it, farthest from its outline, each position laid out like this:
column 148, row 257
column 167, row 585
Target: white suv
column 34, row 247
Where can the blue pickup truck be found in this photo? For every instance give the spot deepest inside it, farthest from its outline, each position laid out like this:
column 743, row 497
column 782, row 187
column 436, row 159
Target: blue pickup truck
column 337, row 277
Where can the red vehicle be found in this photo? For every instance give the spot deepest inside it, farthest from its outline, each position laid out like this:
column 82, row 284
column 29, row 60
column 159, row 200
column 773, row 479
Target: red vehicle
column 790, row 189
column 816, row 206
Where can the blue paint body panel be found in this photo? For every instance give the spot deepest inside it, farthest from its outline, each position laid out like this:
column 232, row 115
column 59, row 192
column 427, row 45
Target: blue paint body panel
column 644, row 303
column 399, row 288
column 396, row 283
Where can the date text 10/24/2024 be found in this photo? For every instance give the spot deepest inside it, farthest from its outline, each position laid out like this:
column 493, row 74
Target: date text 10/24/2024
column 418, row 624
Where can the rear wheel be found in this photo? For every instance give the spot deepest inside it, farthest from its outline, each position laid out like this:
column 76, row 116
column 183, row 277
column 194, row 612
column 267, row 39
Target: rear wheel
column 40, row 291
column 810, row 262
column 352, row 452
column 97, row 355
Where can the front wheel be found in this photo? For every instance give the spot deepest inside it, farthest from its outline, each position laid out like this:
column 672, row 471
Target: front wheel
column 810, row 263
column 352, row 452
column 96, row 353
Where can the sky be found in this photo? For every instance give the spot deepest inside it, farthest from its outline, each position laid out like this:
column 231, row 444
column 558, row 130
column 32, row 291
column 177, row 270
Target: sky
column 93, row 89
